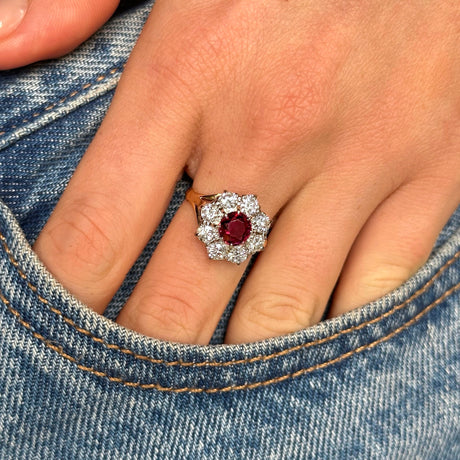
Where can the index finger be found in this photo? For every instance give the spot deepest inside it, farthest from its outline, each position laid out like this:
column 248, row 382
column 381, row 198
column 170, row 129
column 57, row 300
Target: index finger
column 123, row 184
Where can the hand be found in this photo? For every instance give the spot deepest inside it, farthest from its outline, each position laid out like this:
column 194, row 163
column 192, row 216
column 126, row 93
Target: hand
column 343, row 117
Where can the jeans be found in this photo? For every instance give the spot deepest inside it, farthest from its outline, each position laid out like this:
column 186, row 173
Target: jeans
column 380, row 382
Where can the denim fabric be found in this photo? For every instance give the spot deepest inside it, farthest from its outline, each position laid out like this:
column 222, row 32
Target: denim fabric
column 381, row 382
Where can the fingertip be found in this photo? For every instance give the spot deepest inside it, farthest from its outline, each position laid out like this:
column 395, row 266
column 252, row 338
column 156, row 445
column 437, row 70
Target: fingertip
column 12, row 13
column 45, row 29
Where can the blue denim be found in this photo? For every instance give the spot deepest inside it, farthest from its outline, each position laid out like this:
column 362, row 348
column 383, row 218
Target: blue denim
column 380, row 382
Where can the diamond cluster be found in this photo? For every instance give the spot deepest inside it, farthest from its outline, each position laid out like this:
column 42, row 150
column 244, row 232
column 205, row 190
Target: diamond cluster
column 233, row 227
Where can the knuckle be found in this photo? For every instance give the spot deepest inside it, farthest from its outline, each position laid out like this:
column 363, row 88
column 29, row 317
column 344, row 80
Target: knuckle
column 169, row 310
column 209, row 44
column 287, row 113
column 215, row 45
column 164, row 317
column 80, row 242
column 172, row 75
column 386, row 277
column 279, row 312
column 290, row 108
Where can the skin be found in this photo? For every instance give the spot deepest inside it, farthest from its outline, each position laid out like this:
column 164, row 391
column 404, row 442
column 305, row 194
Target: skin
column 342, row 116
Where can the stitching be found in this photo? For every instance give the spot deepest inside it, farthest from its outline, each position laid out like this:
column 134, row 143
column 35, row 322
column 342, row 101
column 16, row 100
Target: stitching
column 64, row 99
column 246, row 386
column 277, row 354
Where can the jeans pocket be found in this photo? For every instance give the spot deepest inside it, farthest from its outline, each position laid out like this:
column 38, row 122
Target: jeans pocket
column 378, row 382
column 62, row 323
column 361, row 383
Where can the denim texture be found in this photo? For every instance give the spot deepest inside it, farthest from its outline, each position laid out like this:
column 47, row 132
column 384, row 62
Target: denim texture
column 381, row 382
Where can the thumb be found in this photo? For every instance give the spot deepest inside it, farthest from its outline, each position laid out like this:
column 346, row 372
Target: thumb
column 32, row 30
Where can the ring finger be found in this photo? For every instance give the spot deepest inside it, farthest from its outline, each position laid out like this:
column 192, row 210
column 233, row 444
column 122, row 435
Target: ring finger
column 182, row 293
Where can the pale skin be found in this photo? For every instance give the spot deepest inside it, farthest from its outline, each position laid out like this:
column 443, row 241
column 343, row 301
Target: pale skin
column 342, row 116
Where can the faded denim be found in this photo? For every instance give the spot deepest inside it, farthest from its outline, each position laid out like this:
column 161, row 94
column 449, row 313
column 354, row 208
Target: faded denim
column 381, row 382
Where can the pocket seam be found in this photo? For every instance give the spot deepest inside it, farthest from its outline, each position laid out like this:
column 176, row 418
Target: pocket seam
column 61, row 101
column 277, row 354
column 246, row 386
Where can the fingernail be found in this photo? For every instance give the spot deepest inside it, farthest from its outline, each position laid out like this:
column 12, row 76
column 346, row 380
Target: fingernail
column 12, row 13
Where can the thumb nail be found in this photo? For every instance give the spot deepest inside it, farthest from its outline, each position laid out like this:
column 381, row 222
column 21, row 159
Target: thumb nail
column 11, row 14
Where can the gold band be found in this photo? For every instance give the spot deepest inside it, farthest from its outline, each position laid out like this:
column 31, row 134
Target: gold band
column 197, row 201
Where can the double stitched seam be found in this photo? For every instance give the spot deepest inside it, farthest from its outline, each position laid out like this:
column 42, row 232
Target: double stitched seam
column 61, row 101
column 277, row 354
column 246, row 386
column 233, row 362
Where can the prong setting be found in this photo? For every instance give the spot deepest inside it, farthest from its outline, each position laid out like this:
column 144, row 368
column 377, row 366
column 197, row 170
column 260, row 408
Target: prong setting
column 233, row 227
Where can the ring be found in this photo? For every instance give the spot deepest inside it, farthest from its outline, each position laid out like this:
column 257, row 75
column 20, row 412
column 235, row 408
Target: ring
column 231, row 226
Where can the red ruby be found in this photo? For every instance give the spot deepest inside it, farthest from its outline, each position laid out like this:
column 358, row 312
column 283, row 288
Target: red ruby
column 235, row 228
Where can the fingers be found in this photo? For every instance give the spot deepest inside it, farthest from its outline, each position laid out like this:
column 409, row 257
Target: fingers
column 182, row 293
column 292, row 280
column 182, row 92
column 290, row 284
column 394, row 243
column 123, row 184
column 32, row 30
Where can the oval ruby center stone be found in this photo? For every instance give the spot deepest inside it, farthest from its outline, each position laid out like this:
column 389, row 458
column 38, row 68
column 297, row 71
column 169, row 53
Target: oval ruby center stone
column 235, row 228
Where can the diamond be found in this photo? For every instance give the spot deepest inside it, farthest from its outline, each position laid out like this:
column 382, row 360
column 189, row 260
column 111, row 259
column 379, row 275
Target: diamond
column 260, row 223
column 255, row 243
column 235, row 228
column 211, row 214
column 249, row 205
column 217, row 250
column 228, row 202
column 207, row 233
column 237, row 254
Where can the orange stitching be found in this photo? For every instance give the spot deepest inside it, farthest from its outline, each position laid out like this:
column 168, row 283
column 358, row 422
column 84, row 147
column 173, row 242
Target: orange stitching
column 246, row 386
column 71, row 95
column 237, row 361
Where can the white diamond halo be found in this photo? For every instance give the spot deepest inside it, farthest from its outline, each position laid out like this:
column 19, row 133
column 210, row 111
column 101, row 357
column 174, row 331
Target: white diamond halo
column 232, row 227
